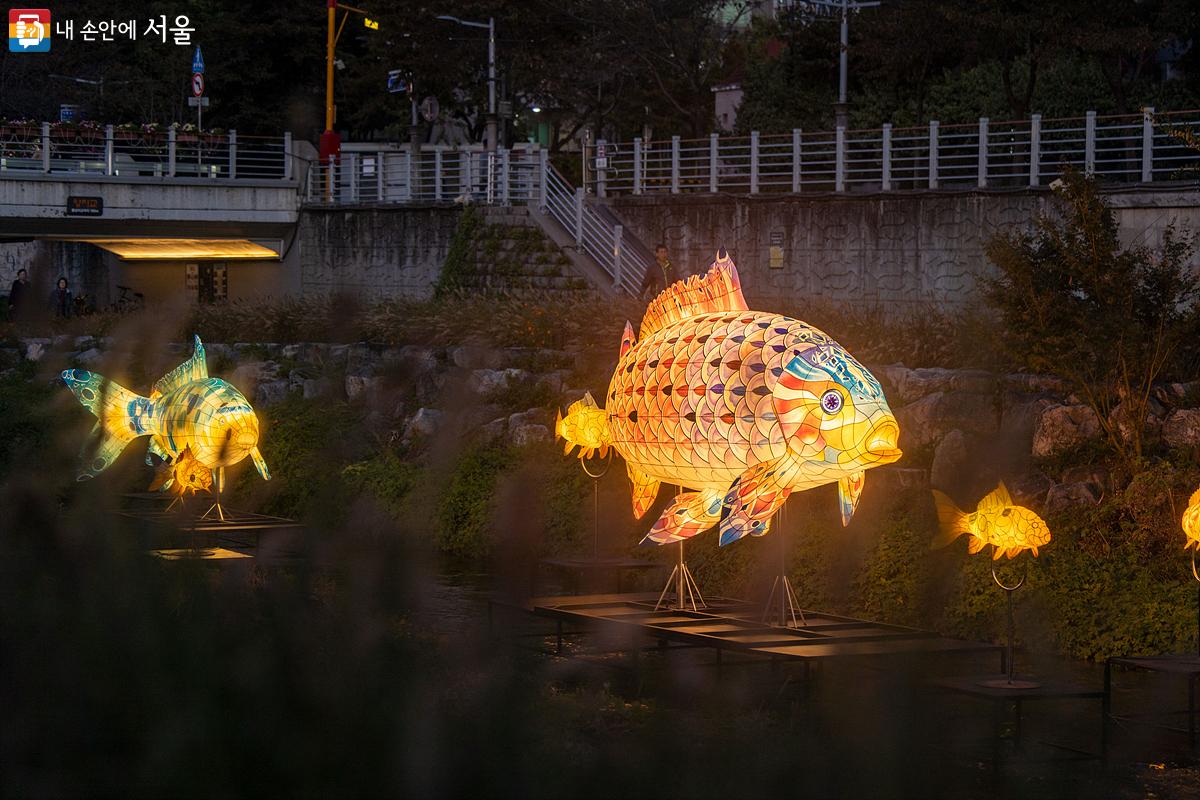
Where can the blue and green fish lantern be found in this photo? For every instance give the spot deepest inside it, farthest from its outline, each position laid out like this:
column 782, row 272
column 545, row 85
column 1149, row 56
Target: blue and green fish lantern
column 186, row 411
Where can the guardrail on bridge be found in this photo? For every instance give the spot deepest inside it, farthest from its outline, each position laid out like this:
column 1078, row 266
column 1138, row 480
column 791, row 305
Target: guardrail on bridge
column 42, row 149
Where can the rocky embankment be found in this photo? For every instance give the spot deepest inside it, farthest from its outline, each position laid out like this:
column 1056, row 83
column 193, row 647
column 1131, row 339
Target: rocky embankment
column 967, row 428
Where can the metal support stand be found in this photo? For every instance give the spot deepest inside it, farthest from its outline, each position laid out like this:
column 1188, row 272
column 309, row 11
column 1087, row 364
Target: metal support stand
column 218, row 485
column 1010, row 682
column 686, row 589
column 596, row 476
column 1196, row 575
column 790, row 613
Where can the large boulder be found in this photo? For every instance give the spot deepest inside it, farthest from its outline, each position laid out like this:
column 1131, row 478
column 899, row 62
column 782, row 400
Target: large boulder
column 910, row 385
column 524, row 435
column 270, row 392
column 474, row 358
column 425, row 423
column 359, row 384
column 1181, row 428
column 1066, row 496
column 1062, row 427
column 951, row 460
column 927, row 420
column 1121, row 418
column 490, row 381
column 1030, row 489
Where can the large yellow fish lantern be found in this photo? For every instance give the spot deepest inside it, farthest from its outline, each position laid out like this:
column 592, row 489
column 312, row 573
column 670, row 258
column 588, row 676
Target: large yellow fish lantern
column 194, row 421
column 997, row 520
column 741, row 407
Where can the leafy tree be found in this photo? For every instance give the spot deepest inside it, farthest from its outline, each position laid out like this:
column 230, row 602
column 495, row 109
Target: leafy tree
column 1111, row 319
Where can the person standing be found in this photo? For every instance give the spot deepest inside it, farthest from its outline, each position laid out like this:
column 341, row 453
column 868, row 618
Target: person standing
column 61, row 302
column 18, row 295
column 661, row 275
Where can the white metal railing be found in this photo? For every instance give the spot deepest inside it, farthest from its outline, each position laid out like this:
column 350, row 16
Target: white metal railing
column 118, row 152
column 1141, row 148
column 425, row 174
column 595, row 230
column 404, row 174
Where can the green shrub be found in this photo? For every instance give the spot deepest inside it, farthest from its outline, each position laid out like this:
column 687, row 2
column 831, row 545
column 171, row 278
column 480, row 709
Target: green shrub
column 465, row 507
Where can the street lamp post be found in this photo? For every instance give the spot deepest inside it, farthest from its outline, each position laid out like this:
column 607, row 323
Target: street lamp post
column 491, row 29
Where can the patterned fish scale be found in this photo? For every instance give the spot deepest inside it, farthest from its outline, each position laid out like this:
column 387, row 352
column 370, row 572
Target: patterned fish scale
column 743, row 407
column 688, row 397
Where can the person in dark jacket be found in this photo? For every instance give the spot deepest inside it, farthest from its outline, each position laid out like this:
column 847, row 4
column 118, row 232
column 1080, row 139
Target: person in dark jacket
column 61, row 301
column 659, row 276
column 18, row 295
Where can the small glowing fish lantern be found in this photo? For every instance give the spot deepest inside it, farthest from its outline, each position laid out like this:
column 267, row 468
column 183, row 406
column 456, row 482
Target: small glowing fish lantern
column 1191, row 522
column 184, row 477
column 740, row 407
column 997, row 521
column 194, row 421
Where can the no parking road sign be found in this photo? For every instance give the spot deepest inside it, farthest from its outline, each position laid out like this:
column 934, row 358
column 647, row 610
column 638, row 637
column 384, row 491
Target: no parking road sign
column 197, row 84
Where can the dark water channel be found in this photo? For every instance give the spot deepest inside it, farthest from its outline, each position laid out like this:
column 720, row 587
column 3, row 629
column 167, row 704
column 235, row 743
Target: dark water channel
column 881, row 726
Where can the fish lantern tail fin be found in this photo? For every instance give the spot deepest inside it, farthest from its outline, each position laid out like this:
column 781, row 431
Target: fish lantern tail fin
column 952, row 520
column 121, row 417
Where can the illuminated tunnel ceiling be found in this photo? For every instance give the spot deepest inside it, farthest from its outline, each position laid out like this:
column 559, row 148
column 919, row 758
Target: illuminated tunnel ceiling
column 185, row 249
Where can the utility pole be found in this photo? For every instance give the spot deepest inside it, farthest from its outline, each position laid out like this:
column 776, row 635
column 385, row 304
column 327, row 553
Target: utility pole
column 842, row 108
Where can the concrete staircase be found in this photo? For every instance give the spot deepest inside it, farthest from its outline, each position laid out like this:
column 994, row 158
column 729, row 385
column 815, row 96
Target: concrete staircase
column 510, row 250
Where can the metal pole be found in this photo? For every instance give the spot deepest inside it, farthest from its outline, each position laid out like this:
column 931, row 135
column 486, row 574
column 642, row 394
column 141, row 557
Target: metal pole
column 1035, row 149
column 982, row 175
column 845, row 47
column 491, row 125
column 933, row 154
column 1089, row 145
column 637, row 165
column 753, row 162
column 885, row 178
column 1012, row 666
column 679, row 578
column 843, row 50
column 1148, row 144
column 329, row 39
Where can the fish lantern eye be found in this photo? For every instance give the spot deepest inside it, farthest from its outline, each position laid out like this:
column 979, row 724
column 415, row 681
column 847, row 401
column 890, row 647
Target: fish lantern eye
column 831, row 401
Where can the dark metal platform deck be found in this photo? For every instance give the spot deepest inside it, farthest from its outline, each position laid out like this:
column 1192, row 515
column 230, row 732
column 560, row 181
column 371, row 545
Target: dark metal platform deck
column 183, row 535
column 735, row 625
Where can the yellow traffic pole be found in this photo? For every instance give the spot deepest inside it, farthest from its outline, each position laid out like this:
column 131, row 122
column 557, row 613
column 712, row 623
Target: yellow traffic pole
column 329, row 38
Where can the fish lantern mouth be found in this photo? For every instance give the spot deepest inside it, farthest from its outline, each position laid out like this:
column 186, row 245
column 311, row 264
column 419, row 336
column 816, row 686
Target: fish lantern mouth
column 882, row 443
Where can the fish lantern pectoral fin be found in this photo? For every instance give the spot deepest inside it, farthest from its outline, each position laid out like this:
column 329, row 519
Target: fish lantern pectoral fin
column 849, row 490
column 260, row 464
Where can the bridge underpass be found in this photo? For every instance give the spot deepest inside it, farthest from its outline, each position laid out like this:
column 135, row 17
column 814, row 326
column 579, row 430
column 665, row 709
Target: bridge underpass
column 162, row 237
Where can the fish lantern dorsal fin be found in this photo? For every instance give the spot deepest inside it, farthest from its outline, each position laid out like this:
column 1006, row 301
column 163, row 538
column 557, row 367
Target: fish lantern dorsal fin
column 194, row 369
column 719, row 290
column 997, row 499
column 627, row 338
column 1195, row 498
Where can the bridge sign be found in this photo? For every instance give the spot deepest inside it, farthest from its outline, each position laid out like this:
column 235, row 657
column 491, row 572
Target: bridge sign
column 85, row 206
column 198, row 62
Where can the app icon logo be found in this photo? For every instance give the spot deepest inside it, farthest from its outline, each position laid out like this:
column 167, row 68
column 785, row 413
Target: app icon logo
column 29, row 30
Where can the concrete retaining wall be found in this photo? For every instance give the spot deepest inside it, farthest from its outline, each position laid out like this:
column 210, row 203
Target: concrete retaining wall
column 902, row 251
column 374, row 253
